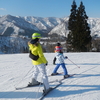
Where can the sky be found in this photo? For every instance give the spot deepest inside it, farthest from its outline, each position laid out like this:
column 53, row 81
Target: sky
column 47, row 8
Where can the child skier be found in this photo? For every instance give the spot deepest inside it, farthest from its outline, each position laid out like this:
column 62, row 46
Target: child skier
column 59, row 61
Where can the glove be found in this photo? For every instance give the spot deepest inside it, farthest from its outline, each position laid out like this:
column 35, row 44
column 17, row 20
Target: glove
column 54, row 64
column 66, row 57
column 46, row 64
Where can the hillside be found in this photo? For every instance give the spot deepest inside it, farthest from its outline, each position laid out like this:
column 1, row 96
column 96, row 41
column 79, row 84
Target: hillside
column 25, row 26
column 16, row 31
column 62, row 28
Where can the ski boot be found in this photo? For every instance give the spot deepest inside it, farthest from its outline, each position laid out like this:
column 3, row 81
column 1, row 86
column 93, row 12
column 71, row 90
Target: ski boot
column 66, row 76
column 34, row 83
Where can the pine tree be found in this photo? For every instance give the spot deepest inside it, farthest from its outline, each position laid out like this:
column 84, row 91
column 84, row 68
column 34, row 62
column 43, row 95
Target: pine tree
column 72, row 18
column 72, row 21
column 83, row 37
column 79, row 34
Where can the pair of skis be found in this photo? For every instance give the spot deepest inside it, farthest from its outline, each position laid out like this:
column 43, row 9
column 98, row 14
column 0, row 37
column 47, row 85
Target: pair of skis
column 44, row 94
column 60, row 82
column 18, row 88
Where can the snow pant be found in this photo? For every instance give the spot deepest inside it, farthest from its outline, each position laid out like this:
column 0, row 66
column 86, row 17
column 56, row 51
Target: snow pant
column 63, row 66
column 41, row 69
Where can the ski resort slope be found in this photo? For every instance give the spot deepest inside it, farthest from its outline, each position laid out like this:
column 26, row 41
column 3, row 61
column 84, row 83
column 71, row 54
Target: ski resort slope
column 16, row 71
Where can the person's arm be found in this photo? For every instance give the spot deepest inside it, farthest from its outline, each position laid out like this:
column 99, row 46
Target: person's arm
column 41, row 55
column 54, row 60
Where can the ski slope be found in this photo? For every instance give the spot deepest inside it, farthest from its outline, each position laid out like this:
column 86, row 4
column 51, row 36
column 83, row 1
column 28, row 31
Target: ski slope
column 16, row 71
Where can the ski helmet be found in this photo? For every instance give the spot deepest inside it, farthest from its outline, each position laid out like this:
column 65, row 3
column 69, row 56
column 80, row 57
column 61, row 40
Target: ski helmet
column 58, row 44
column 58, row 49
column 36, row 35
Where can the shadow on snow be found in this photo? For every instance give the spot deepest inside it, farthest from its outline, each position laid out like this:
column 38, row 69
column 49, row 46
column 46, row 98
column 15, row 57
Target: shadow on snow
column 56, row 93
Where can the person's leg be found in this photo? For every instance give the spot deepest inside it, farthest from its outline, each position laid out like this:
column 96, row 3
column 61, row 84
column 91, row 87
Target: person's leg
column 64, row 68
column 56, row 68
column 65, row 71
column 34, row 77
column 35, row 73
column 42, row 70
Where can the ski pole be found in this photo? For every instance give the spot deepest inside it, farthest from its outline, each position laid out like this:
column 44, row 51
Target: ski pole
column 39, row 87
column 73, row 62
column 24, row 76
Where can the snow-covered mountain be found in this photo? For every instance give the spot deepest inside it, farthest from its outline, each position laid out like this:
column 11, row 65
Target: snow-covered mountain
column 94, row 26
column 17, row 25
column 25, row 26
column 10, row 25
column 15, row 31
column 44, row 24
column 62, row 28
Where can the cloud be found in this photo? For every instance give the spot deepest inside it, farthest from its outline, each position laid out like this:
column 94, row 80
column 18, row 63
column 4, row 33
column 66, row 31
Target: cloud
column 3, row 9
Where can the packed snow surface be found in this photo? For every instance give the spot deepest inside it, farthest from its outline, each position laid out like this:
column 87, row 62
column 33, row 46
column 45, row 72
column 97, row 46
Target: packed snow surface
column 16, row 71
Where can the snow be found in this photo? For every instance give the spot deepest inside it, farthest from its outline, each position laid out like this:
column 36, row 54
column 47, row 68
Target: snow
column 16, row 71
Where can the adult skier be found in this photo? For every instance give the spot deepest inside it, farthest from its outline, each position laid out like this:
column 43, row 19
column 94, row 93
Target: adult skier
column 39, row 62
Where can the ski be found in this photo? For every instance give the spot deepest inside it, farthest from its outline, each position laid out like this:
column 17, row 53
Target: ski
column 67, row 77
column 56, row 74
column 60, row 82
column 45, row 94
column 18, row 88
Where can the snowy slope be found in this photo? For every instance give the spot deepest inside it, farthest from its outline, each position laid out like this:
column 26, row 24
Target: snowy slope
column 16, row 71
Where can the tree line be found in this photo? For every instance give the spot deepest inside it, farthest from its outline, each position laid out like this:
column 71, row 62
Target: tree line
column 79, row 37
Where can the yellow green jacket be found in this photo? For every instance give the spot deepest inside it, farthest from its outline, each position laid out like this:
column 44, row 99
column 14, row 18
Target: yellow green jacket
column 37, row 50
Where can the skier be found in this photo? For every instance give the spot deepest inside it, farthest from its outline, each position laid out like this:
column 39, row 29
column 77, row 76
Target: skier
column 59, row 61
column 39, row 62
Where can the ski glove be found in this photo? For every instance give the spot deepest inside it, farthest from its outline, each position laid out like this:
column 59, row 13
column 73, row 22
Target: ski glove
column 66, row 57
column 46, row 64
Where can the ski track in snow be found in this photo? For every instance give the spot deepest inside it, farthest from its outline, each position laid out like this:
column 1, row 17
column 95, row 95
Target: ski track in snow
column 85, row 85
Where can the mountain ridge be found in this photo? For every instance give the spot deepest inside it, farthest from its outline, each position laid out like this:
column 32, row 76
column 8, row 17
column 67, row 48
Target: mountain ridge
column 25, row 26
column 21, row 24
column 16, row 31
